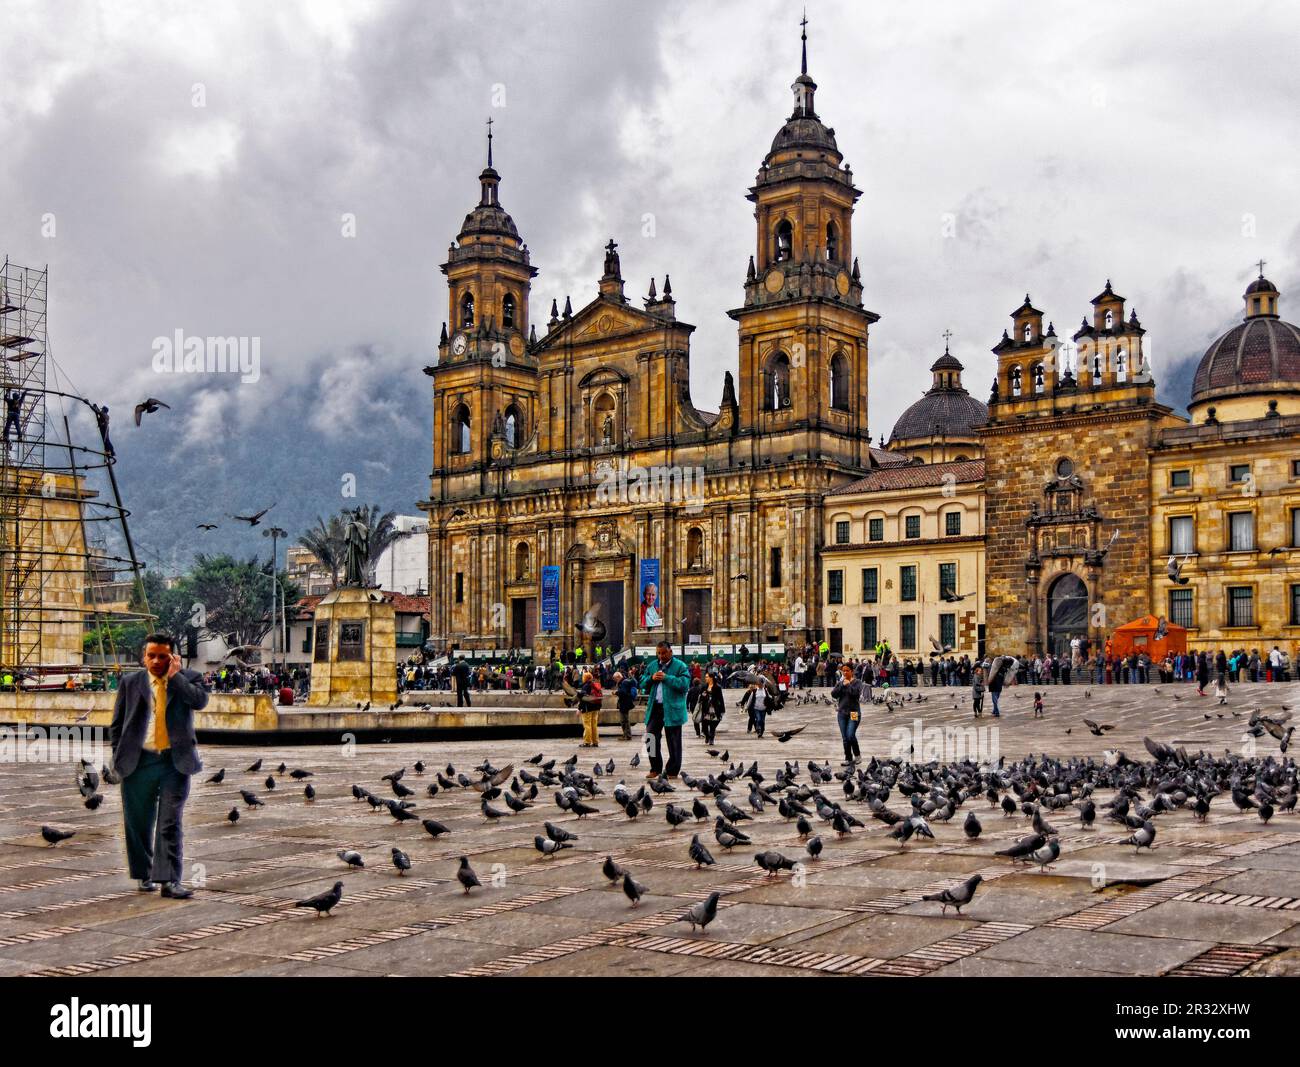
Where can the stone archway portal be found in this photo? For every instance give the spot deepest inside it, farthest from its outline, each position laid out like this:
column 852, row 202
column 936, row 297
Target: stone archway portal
column 1067, row 613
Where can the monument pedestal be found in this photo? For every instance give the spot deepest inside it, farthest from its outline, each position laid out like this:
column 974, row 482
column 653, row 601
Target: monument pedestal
column 354, row 650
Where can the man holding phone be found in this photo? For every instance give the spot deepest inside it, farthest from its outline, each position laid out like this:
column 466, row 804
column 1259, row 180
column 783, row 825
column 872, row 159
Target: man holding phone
column 154, row 754
column 665, row 713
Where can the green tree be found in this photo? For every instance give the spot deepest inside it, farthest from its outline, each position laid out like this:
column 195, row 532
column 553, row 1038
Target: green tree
column 235, row 597
column 327, row 540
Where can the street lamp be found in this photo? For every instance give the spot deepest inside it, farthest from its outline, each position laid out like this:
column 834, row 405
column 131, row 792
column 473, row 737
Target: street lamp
column 275, row 533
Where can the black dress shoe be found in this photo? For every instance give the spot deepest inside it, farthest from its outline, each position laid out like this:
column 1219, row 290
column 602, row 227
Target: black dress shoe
column 147, row 885
column 176, row 891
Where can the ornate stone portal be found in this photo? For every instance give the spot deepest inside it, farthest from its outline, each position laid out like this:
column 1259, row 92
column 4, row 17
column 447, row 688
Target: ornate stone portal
column 354, row 650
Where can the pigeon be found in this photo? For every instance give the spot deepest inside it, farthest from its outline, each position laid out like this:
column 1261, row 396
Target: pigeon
column 548, row 847
column 309, row 792
column 699, row 810
column 700, row 855
column 784, row 735
column 580, row 809
column 434, row 828
column 232, row 816
column 257, row 766
column 251, row 799
column 218, row 778
column 1143, row 836
column 804, row 827
column 1098, row 729
column 773, row 862
column 148, row 406
column 491, row 813
column 351, row 858
column 675, row 815
column 612, row 870
column 323, row 903
column 703, row 913
column 401, row 861
column 270, row 782
column 971, row 827
column 1087, row 813
column 53, row 836
column 1023, row 848
column 558, row 833
column 632, row 889
column 93, row 801
column 465, row 875
column 398, row 812
column 814, row 848
column 958, row 895
column 1046, row 855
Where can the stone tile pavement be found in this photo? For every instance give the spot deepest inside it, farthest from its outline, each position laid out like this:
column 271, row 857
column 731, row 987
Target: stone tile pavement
column 1212, row 899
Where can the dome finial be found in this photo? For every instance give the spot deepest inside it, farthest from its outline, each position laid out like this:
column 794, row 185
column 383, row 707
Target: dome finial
column 947, row 335
column 1261, row 268
column 489, row 128
column 803, row 37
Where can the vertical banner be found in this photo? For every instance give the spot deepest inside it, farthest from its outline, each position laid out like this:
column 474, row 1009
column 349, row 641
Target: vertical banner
column 550, row 599
column 651, row 611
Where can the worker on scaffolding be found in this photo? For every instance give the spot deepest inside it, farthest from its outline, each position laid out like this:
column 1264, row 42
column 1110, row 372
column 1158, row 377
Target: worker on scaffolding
column 101, row 420
column 13, row 414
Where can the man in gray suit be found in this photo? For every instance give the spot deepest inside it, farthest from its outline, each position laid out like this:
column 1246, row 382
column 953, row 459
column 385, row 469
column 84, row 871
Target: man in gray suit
column 154, row 755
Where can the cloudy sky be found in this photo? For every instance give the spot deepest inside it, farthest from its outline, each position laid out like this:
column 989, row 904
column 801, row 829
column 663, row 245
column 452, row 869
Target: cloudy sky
column 193, row 167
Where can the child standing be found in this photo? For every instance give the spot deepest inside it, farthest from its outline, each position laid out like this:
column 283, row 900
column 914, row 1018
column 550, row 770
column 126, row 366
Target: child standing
column 1038, row 705
column 977, row 692
column 589, row 706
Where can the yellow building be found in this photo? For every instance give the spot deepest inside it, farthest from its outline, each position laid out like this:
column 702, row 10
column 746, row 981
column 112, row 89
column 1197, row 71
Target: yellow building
column 573, row 475
column 1103, row 505
column 903, row 559
column 1225, row 490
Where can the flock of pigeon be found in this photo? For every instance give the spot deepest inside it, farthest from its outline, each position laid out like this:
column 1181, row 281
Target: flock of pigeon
column 907, row 800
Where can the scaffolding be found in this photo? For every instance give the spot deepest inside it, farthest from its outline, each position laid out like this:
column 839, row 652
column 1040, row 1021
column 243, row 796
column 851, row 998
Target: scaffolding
column 56, row 530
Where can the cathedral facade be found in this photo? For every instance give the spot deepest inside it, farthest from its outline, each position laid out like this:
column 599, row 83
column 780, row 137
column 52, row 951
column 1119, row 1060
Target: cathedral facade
column 574, row 480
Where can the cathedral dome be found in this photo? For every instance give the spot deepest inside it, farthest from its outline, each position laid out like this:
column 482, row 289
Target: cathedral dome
column 942, row 412
column 801, row 132
column 947, row 410
column 1260, row 355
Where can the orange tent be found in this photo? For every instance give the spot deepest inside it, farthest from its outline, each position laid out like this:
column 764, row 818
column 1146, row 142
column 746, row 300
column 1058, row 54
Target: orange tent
column 1140, row 636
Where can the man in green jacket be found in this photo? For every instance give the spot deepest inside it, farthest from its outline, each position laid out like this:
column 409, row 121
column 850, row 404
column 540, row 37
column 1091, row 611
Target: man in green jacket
column 665, row 712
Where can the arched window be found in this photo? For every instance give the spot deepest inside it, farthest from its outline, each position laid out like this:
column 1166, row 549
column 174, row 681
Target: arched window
column 460, row 430
column 695, row 547
column 832, row 242
column 1029, row 332
column 839, row 382
column 784, row 240
column 1039, row 378
column 467, row 309
column 1015, row 381
column 521, row 560
column 1121, row 366
column 1110, row 319
column 1096, row 369
column 604, row 424
column 513, row 425
column 508, row 312
column 776, row 390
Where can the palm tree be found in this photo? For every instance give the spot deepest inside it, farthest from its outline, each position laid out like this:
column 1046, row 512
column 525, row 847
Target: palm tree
column 382, row 535
column 325, row 542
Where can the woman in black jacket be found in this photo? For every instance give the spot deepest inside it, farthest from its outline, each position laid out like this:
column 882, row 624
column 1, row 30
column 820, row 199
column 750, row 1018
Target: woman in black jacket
column 713, row 704
column 848, row 697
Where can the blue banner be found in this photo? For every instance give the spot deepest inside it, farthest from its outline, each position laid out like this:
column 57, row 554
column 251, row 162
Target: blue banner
column 550, row 599
column 650, row 613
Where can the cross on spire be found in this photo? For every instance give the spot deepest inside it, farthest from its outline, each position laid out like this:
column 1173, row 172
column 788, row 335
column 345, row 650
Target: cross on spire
column 947, row 335
column 489, row 128
column 1261, row 268
column 803, row 37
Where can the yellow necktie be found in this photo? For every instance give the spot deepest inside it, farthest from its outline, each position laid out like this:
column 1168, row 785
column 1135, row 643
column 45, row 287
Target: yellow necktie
column 160, row 741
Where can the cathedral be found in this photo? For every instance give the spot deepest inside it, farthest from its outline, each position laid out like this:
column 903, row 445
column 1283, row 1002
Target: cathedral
column 574, row 481
column 578, row 494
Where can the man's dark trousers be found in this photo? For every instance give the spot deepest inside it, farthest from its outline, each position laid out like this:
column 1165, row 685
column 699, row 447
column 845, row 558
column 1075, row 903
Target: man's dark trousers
column 153, row 800
column 672, row 735
column 462, row 695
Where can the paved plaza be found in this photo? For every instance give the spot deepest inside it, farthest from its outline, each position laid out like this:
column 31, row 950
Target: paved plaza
column 1220, row 898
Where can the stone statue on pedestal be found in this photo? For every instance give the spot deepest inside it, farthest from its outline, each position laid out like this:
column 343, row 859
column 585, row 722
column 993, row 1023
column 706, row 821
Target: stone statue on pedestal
column 357, row 544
